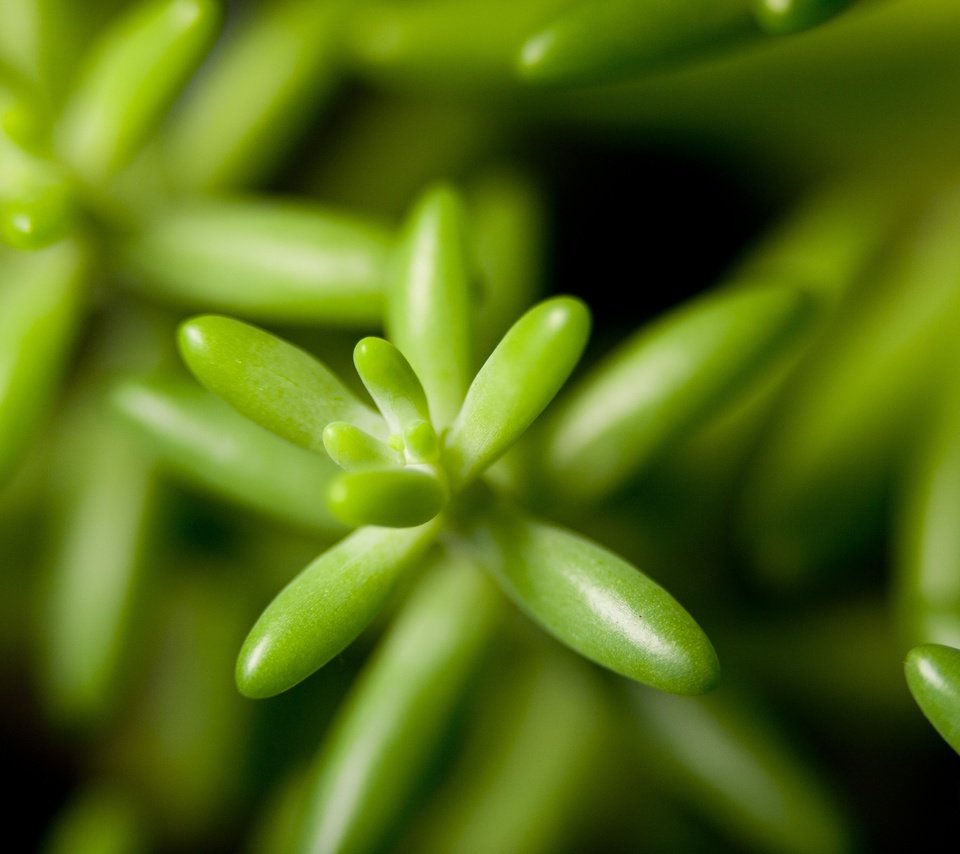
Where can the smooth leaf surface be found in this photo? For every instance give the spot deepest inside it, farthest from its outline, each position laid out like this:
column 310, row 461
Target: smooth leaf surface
column 325, row 607
column 394, row 497
column 210, row 445
column 516, row 383
column 428, row 307
column 781, row 17
column 605, row 40
column 134, row 72
column 933, row 675
column 98, row 568
column 40, row 305
column 392, row 383
column 595, row 602
column 663, row 381
column 263, row 259
column 351, row 448
column 255, row 95
column 279, row 386
column 390, row 725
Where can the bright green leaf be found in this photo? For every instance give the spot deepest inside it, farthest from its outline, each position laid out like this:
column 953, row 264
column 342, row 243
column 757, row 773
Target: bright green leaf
column 933, row 674
column 394, row 497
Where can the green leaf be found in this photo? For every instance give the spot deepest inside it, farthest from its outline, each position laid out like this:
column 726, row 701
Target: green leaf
column 605, row 40
column 782, row 18
column 933, row 675
column 394, row 497
column 210, row 445
column 275, row 70
column 520, row 378
column 396, row 713
column 465, row 45
column 279, row 386
column 508, row 222
column 724, row 759
column 392, row 383
column 40, row 307
column 92, row 595
column 265, row 260
column 352, row 448
column 133, row 74
column 664, row 381
column 595, row 602
column 326, row 606
column 428, row 309
column 528, row 788
column 927, row 581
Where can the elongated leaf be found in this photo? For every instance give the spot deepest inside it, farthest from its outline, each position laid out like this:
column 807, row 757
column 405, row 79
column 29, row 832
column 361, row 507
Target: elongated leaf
column 394, row 497
column 928, row 554
column 40, row 304
column 726, row 760
column 428, row 310
column 526, row 789
column 396, row 713
column 507, row 220
column 663, row 381
column 264, row 260
column 465, row 44
column 351, row 448
column 325, row 607
column 596, row 603
column 97, row 573
column 781, row 18
column 270, row 381
column 933, row 674
column 134, row 72
column 520, row 378
column 210, row 445
column 392, row 383
column 35, row 38
column 605, row 40
column 815, row 490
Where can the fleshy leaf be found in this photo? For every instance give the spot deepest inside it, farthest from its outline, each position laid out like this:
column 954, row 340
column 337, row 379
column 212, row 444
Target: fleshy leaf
column 595, row 602
column 325, row 607
column 392, row 383
column 520, row 378
column 606, row 40
column 40, row 306
column 133, row 74
column 665, row 380
column 781, row 17
column 389, row 726
column 933, row 674
column 428, row 309
column 264, row 260
column 255, row 95
column 352, row 448
column 394, row 497
column 210, row 445
column 279, row 386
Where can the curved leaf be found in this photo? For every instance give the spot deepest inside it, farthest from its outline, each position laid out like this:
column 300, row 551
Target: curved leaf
column 596, row 603
column 663, row 381
column 520, row 378
column 325, row 607
column 780, row 18
column 392, row 384
column 264, row 260
column 394, row 498
column 211, row 445
column 134, row 72
column 398, row 709
column 279, row 386
column 933, row 674
column 428, row 309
